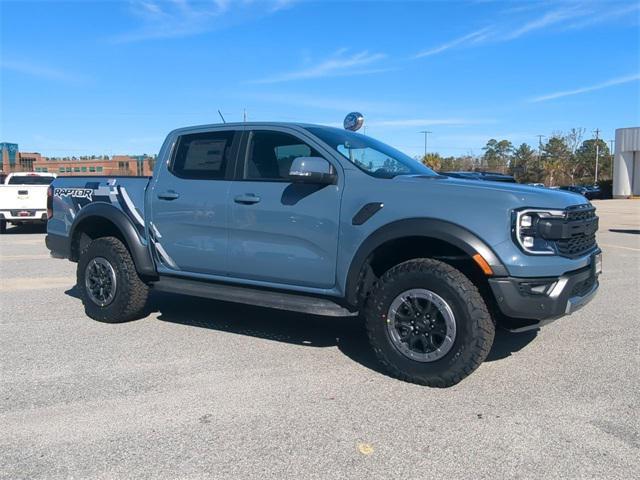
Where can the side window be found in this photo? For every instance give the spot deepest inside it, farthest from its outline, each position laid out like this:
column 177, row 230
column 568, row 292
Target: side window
column 203, row 155
column 270, row 155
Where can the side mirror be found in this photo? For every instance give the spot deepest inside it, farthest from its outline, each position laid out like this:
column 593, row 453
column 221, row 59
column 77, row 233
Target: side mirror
column 312, row 170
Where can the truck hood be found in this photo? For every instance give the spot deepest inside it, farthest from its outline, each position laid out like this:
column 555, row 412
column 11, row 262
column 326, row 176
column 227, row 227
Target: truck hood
column 513, row 195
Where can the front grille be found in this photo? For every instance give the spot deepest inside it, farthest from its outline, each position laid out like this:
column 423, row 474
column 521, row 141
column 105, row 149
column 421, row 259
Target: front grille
column 581, row 212
column 581, row 242
column 576, row 246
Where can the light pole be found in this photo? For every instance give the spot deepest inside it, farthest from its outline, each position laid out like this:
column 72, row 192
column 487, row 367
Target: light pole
column 597, row 132
column 540, row 137
column 612, row 155
column 426, row 132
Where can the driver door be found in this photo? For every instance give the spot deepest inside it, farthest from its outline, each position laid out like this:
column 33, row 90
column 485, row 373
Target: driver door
column 279, row 231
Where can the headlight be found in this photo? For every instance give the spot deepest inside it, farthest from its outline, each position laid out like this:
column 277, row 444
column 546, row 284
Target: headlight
column 525, row 230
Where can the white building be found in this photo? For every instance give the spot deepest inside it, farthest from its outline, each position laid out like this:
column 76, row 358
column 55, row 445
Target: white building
column 626, row 163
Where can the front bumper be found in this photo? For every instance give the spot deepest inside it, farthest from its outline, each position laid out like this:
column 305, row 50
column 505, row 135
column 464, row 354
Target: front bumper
column 527, row 310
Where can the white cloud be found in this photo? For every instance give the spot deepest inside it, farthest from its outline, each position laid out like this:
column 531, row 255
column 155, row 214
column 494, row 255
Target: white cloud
column 339, row 64
column 609, row 14
column 322, row 102
column 39, row 70
column 571, row 16
column 472, row 37
column 423, row 122
column 182, row 18
column 553, row 17
column 565, row 93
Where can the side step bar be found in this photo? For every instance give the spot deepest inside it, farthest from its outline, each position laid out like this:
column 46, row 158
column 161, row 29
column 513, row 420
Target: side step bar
column 252, row 296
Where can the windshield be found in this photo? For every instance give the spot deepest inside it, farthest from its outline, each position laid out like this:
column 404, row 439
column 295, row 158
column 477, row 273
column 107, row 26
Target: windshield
column 30, row 180
column 374, row 157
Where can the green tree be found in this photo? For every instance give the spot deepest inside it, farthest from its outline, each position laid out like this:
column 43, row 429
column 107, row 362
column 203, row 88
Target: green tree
column 555, row 157
column 497, row 154
column 433, row 161
column 448, row 164
column 573, row 138
column 586, row 157
column 523, row 164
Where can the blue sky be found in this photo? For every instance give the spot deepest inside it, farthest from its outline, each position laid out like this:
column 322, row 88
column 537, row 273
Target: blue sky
column 111, row 77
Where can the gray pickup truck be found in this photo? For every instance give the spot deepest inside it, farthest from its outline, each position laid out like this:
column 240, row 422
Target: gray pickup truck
column 330, row 222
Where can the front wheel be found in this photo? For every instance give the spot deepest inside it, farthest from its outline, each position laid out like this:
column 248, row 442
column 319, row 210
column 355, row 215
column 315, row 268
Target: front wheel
column 110, row 287
column 428, row 324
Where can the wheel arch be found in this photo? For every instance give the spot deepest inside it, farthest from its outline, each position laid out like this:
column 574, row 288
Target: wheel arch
column 101, row 220
column 438, row 235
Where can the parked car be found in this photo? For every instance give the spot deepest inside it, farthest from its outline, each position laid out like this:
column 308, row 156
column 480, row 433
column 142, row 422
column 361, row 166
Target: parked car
column 591, row 192
column 23, row 198
column 330, row 222
column 488, row 176
column 595, row 191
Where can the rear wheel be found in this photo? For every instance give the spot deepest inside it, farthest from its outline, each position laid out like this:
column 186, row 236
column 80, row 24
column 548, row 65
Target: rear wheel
column 111, row 289
column 3, row 227
column 428, row 324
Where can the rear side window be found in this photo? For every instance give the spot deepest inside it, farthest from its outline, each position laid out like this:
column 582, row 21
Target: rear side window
column 203, row 155
column 271, row 153
column 30, row 180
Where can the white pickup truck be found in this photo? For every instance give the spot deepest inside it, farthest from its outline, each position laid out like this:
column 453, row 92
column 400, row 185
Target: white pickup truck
column 23, row 198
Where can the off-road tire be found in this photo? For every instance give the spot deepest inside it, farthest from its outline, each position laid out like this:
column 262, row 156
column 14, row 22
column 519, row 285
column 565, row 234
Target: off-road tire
column 475, row 327
column 131, row 292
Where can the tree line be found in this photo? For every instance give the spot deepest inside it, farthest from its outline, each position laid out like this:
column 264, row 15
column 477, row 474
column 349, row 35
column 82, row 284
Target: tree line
column 563, row 159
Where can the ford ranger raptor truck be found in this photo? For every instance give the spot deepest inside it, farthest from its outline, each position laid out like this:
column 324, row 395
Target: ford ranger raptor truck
column 330, row 222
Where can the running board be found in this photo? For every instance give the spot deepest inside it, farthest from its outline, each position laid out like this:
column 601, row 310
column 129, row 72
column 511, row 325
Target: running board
column 252, row 296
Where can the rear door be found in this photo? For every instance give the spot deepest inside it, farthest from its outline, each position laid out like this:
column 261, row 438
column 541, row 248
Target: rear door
column 282, row 232
column 189, row 201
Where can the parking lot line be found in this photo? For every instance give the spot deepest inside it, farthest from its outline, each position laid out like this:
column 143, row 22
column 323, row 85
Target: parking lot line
column 608, row 245
column 40, row 283
column 24, row 257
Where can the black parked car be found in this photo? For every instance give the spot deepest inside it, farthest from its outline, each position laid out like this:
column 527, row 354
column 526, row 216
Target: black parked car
column 489, row 176
column 589, row 191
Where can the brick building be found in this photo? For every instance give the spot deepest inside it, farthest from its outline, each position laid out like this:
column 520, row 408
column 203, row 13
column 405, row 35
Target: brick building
column 140, row 165
column 13, row 160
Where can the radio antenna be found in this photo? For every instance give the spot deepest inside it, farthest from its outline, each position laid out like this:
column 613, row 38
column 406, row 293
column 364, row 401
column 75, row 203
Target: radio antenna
column 223, row 120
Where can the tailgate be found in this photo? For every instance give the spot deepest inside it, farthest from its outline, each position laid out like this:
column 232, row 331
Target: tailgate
column 23, row 197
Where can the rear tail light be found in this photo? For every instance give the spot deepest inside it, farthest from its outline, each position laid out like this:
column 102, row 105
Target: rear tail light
column 49, row 202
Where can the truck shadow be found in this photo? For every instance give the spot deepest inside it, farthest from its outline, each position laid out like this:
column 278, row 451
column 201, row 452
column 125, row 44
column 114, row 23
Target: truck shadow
column 346, row 333
column 25, row 229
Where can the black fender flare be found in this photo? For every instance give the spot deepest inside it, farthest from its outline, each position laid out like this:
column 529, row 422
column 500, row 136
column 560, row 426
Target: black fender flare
column 451, row 233
column 139, row 251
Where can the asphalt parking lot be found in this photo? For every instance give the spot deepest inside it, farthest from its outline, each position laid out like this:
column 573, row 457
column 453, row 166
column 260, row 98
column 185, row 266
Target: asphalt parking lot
column 204, row 389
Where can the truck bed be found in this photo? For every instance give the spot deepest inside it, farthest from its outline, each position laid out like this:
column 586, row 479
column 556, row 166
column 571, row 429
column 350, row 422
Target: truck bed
column 71, row 194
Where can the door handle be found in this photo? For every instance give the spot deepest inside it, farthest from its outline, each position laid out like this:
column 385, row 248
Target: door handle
column 247, row 199
column 170, row 195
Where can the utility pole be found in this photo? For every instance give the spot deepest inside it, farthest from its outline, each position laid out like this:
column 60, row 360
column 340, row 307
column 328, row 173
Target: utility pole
column 426, row 132
column 244, row 115
column 597, row 132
